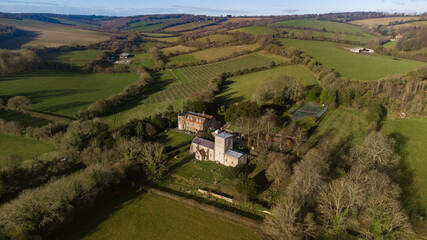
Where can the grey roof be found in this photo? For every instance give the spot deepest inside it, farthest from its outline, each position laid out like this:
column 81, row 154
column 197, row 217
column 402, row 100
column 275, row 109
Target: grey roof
column 224, row 135
column 203, row 142
column 234, row 154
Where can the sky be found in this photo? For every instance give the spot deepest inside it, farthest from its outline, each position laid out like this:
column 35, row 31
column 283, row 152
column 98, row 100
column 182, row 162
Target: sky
column 209, row 7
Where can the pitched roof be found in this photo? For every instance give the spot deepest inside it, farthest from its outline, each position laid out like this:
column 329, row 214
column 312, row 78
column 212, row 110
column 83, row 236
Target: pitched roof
column 234, row 154
column 204, row 142
column 224, row 135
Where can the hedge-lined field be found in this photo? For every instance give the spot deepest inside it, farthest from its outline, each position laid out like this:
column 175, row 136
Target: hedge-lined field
column 353, row 65
column 243, row 87
column 187, row 26
column 62, row 92
column 148, row 216
column 74, row 58
column 319, row 25
column 22, row 147
column 256, row 30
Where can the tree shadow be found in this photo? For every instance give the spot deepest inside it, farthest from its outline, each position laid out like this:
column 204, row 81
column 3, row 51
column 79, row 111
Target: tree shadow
column 19, row 41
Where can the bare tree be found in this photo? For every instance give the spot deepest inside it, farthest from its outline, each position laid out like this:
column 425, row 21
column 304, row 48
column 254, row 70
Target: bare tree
column 278, row 171
column 154, row 158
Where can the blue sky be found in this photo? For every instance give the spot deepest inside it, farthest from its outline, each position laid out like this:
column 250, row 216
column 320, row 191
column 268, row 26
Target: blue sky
column 208, row 7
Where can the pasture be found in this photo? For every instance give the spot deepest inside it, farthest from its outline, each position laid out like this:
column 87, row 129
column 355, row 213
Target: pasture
column 177, row 49
column 216, row 38
column 319, row 25
column 78, row 24
column 243, row 87
column 149, row 26
column 344, row 127
column 187, row 26
column 211, row 53
column 74, row 58
column 352, row 65
column 23, row 147
column 50, row 34
column 411, row 139
column 143, row 59
column 381, row 21
column 23, row 119
column 61, row 92
column 163, row 39
column 148, row 216
column 256, row 30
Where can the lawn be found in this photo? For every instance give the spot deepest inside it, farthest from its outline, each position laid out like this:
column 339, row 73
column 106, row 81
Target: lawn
column 23, row 147
column 61, row 92
column 256, row 30
column 50, row 34
column 211, row 53
column 243, row 87
column 24, row 119
column 319, row 25
column 187, row 26
column 148, row 216
column 345, row 127
column 381, row 21
column 411, row 137
column 353, row 65
column 174, row 139
column 74, row 58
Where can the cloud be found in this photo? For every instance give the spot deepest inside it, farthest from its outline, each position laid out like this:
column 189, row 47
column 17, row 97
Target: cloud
column 289, row 11
column 31, row 3
column 398, row 3
column 209, row 10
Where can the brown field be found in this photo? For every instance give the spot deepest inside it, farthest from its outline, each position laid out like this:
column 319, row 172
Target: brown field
column 383, row 21
column 177, row 48
column 50, row 35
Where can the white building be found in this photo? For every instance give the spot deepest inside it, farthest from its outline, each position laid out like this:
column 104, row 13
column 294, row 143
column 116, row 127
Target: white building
column 219, row 151
column 361, row 50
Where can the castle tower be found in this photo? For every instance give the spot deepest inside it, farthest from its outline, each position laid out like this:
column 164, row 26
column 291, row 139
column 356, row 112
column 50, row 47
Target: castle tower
column 223, row 143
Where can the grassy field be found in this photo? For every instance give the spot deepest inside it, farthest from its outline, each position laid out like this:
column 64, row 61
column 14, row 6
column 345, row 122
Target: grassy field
column 61, row 92
column 149, row 26
column 50, row 35
column 256, row 30
column 411, row 138
column 319, row 25
column 177, row 48
column 187, row 26
column 78, row 24
column 243, row 87
column 383, row 21
column 418, row 24
column 74, row 58
column 23, row 147
column 211, row 53
column 163, row 39
column 143, row 59
column 216, row 38
column 24, row 119
column 148, row 216
column 345, row 127
column 352, row 65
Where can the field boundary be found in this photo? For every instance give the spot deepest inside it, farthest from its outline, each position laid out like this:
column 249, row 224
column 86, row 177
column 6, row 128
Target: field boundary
column 222, row 214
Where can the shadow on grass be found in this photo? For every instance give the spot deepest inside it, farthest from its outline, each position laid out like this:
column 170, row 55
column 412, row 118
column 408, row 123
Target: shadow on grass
column 19, row 41
column 412, row 201
column 227, row 99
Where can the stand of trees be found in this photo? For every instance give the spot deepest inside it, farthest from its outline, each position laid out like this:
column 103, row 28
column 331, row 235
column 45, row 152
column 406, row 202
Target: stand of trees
column 17, row 61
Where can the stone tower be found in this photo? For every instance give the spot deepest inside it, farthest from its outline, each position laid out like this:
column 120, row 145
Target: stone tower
column 223, row 143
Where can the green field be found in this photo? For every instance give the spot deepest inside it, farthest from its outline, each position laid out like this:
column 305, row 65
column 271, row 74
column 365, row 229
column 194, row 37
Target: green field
column 381, row 21
column 148, row 216
column 143, row 59
column 78, row 24
column 256, row 30
column 365, row 38
column 243, row 87
column 23, row 119
column 149, row 26
column 353, row 65
column 23, row 147
column 163, row 39
column 211, row 53
column 187, row 26
column 216, row 38
column 74, row 58
column 345, row 127
column 411, row 137
column 176, row 49
column 50, row 34
column 61, row 92
column 319, row 25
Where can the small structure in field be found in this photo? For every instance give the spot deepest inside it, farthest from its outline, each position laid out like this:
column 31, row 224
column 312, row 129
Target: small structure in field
column 219, row 151
column 361, row 50
column 124, row 55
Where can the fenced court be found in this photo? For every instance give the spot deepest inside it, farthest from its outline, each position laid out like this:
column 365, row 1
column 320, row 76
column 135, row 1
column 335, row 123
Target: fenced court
column 309, row 110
